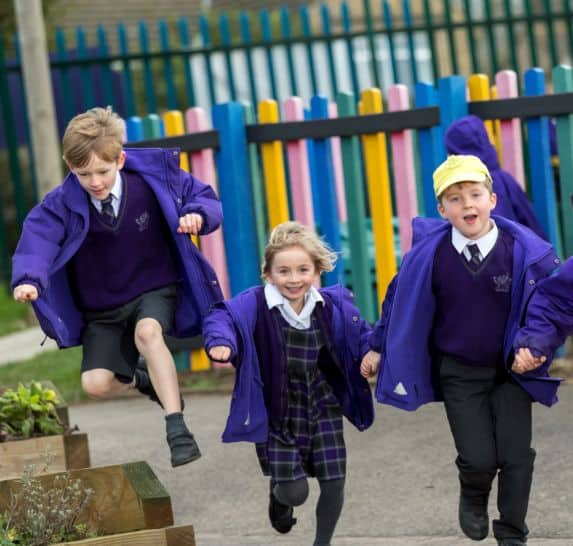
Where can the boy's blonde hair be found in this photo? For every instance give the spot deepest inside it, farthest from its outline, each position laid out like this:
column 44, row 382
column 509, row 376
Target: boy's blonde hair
column 291, row 234
column 98, row 131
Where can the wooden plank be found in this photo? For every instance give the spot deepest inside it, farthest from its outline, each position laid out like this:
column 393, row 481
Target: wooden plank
column 77, row 450
column 171, row 536
column 126, row 497
column 16, row 455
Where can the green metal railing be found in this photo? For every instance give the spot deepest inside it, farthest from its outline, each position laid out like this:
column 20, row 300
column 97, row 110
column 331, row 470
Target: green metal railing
column 252, row 56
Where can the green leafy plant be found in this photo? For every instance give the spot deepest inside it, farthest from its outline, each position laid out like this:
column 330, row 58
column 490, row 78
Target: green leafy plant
column 43, row 511
column 29, row 411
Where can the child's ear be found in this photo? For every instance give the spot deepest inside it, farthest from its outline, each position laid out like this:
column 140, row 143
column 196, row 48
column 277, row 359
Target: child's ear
column 441, row 209
column 121, row 160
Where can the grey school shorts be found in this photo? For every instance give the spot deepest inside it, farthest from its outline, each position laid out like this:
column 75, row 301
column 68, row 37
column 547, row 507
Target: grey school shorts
column 109, row 336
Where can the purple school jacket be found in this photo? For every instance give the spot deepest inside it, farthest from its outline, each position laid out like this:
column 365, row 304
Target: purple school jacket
column 55, row 229
column 468, row 135
column 232, row 323
column 549, row 318
column 403, row 332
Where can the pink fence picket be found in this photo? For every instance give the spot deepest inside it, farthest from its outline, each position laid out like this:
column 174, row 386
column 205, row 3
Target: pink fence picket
column 203, row 167
column 404, row 170
column 299, row 170
column 338, row 170
column 510, row 129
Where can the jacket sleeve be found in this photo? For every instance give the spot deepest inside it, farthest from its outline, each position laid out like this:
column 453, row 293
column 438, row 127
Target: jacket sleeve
column 353, row 311
column 549, row 315
column 219, row 330
column 43, row 234
column 376, row 339
column 201, row 199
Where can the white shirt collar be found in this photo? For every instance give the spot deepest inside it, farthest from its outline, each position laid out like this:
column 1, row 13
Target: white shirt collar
column 116, row 193
column 485, row 243
column 300, row 321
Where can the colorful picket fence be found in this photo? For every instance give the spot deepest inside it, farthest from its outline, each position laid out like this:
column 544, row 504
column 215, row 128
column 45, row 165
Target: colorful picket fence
column 359, row 175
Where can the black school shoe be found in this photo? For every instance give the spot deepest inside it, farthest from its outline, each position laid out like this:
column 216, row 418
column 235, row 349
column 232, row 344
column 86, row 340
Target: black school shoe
column 280, row 514
column 473, row 517
column 182, row 444
column 144, row 386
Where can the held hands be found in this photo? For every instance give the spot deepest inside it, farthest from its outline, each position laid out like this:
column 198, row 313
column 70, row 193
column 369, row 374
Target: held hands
column 190, row 223
column 370, row 364
column 525, row 361
column 220, row 353
column 25, row 293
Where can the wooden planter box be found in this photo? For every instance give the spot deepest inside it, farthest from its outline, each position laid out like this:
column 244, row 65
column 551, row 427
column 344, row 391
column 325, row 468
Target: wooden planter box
column 127, row 497
column 172, row 536
column 64, row 451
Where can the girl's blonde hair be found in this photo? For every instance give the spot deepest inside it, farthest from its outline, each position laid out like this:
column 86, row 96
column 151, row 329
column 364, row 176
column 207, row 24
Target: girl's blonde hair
column 291, row 234
column 98, row 131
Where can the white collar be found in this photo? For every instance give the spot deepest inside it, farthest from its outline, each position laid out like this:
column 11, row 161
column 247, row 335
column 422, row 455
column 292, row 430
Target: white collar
column 485, row 243
column 116, row 193
column 300, row 321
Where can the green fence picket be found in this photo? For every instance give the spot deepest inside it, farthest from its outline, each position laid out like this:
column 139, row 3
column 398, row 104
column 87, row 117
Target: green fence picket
column 148, row 87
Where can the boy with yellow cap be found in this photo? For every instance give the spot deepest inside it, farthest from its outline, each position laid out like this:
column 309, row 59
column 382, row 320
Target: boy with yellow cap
column 446, row 333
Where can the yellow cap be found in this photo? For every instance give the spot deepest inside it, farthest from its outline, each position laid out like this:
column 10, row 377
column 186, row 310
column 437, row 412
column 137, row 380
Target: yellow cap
column 459, row 168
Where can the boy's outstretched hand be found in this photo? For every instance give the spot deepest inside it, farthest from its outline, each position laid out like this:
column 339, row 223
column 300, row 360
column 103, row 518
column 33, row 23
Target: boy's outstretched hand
column 220, row 353
column 370, row 364
column 525, row 361
column 25, row 293
column 190, row 223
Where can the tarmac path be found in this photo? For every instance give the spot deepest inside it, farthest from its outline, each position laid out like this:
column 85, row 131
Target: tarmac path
column 401, row 486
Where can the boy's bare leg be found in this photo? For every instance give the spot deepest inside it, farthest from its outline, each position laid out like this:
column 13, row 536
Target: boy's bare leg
column 102, row 383
column 151, row 345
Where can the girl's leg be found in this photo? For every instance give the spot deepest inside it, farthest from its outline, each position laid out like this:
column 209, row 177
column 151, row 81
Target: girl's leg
column 292, row 493
column 328, row 509
column 151, row 345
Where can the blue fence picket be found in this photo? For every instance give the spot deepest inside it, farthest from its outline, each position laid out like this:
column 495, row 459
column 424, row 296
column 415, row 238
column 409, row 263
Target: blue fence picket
column 430, row 145
column 329, row 225
column 236, row 197
column 452, row 99
column 134, row 129
column 540, row 172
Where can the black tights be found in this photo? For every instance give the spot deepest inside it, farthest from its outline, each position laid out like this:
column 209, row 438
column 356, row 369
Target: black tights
column 328, row 507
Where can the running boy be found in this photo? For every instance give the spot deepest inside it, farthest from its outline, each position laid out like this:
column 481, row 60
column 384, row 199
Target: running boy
column 297, row 352
column 446, row 332
column 107, row 262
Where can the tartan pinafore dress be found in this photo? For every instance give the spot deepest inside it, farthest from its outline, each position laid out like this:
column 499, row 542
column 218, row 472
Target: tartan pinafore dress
column 310, row 441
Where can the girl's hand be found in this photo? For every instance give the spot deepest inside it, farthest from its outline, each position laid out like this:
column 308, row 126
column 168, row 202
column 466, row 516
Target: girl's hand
column 525, row 361
column 220, row 353
column 25, row 293
column 190, row 223
column 370, row 364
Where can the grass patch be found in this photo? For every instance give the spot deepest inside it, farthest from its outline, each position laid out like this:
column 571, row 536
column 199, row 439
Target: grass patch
column 14, row 316
column 61, row 367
